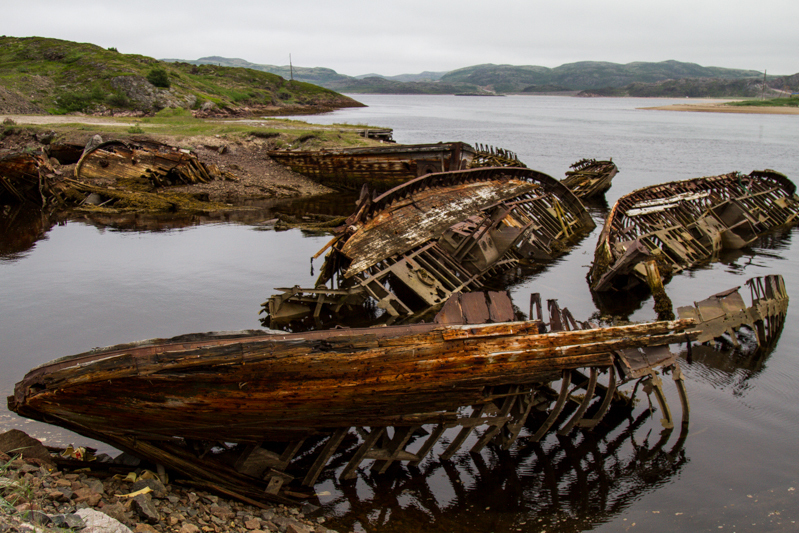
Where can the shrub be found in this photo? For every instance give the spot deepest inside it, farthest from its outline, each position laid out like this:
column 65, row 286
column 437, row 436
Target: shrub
column 159, row 78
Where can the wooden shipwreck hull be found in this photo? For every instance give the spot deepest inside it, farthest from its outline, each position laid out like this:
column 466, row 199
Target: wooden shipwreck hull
column 678, row 225
column 385, row 167
column 29, row 179
column 246, row 412
column 590, row 178
column 414, row 246
column 158, row 163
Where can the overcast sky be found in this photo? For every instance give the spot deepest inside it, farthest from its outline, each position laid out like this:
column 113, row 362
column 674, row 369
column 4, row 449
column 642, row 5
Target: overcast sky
column 410, row 36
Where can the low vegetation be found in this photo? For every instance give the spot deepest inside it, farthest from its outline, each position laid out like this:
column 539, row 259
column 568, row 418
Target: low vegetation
column 773, row 102
column 40, row 75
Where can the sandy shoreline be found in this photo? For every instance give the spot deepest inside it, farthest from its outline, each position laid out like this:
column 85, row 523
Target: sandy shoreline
column 720, row 108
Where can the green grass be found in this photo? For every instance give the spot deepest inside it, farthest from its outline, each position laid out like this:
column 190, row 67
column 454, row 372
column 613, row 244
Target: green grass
column 69, row 77
column 774, row 102
column 179, row 124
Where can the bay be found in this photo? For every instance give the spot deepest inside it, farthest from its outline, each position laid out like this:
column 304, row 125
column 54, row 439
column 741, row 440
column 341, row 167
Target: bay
column 86, row 285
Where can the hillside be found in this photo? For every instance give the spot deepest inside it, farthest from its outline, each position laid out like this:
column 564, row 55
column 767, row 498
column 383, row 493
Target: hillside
column 586, row 75
column 704, row 88
column 41, row 75
column 598, row 77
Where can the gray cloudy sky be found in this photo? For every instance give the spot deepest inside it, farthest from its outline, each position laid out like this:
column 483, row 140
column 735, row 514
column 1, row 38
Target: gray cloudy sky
column 409, row 36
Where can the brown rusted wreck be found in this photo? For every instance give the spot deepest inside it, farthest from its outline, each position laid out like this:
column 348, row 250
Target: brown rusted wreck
column 28, row 178
column 115, row 174
column 590, row 178
column 384, row 167
column 658, row 231
column 411, row 248
column 157, row 163
column 249, row 412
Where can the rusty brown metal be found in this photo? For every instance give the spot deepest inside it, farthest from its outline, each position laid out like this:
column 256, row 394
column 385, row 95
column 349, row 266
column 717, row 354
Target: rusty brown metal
column 589, row 177
column 439, row 235
column 686, row 223
column 384, row 167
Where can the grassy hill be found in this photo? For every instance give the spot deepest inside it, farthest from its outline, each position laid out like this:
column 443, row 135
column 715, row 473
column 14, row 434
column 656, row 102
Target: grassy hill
column 596, row 78
column 704, row 87
column 316, row 75
column 41, row 75
column 586, row 75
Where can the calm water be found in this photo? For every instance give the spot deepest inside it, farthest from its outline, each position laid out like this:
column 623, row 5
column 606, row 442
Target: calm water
column 85, row 285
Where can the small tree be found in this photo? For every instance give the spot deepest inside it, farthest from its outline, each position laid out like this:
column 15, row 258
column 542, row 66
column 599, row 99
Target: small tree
column 159, row 78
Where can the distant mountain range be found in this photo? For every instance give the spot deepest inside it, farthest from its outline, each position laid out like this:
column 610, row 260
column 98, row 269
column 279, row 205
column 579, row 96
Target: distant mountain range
column 589, row 78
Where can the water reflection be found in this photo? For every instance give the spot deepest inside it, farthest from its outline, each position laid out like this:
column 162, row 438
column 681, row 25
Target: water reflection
column 20, row 227
column 569, row 483
column 726, row 366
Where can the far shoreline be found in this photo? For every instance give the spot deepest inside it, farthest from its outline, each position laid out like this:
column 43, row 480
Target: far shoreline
column 721, row 108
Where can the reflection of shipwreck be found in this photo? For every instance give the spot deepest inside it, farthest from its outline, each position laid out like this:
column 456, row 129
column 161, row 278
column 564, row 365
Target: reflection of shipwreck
column 412, row 247
column 674, row 226
column 384, row 167
column 570, row 483
column 246, row 412
column 589, row 177
column 737, row 340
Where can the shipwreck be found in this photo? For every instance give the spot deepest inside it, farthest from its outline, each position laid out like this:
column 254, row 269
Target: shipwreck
column 384, row 167
column 658, row 231
column 251, row 413
column 589, row 178
column 409, row 249
column 111, row 174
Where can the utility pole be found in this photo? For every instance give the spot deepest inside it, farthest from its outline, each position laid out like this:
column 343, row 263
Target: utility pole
column 763, row 93
column 291, row 68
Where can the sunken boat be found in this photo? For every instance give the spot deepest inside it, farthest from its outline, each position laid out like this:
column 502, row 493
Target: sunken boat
column 385, row 167
column 409, row 249
column 658, row 231
column 589, row 178
column 246, row 413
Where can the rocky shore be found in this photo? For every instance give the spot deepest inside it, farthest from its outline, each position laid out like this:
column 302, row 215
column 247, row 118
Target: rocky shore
column 35, row 495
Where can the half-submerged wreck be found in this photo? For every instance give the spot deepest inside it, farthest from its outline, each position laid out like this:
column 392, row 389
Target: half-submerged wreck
column 658, row 231
column 590, row 178
column 384, row 167
column 411, row 248
column 247, row 412
column 112, row 174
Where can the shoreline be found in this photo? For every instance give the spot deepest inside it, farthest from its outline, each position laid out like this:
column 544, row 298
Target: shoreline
column 720, row 108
